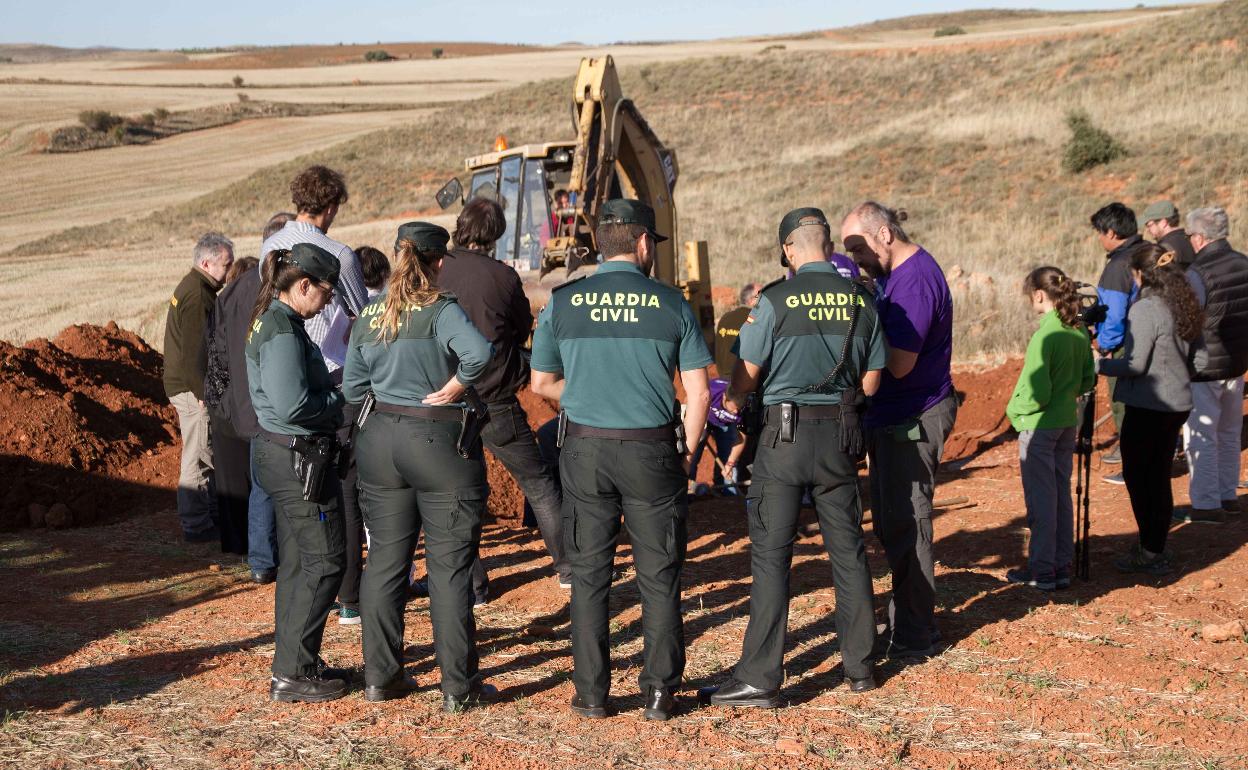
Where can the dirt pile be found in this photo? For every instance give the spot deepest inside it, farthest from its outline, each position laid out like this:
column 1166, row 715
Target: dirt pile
column 85, row 428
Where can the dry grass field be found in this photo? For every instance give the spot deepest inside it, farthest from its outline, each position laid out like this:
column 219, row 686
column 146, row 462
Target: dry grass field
column 965, row 132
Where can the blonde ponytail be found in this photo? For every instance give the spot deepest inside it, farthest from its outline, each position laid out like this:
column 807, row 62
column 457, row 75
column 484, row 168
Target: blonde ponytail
column 411, row 285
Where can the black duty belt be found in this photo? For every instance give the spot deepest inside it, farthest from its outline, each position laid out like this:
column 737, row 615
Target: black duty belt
column 661, row 433
column 804, row 412
column 439, row 413
column 282, row 440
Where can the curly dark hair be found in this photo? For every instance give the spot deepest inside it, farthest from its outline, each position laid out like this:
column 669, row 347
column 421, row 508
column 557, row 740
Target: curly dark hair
column 1160, row 275
column 316, row 188
column 1058, row 288
column 480, row 224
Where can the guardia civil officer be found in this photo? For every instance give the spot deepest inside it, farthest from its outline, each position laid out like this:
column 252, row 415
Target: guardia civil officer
column 815, row 345
column 607, row 347
column 298, row 410
column 416, row 350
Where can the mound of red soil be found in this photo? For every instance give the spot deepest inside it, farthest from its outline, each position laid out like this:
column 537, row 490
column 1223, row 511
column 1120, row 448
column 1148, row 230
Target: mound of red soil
column 84, row 422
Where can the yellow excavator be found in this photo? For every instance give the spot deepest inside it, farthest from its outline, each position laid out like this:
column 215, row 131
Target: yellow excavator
column 552, row 193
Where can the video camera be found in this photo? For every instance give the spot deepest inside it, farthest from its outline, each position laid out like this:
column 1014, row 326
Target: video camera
column 1091, row 311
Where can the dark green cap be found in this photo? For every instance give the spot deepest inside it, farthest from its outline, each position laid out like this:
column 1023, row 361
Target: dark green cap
column 425, row 236
column 793, row 219
column 626, row 211
column 1158, row 210
column 316, row 262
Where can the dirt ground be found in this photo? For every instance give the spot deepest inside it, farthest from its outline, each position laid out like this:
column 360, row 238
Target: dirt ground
column 121, row 646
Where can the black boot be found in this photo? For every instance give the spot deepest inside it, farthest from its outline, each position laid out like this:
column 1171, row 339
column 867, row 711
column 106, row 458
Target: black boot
column 582, row 707
column 660, row 705
column 399, row 687
column 481, row 693
column 741, row 695
column 865, row 684
column 305, row 689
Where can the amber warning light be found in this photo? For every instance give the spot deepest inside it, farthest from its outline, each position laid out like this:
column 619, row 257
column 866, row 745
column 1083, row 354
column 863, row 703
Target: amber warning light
column 500, row 143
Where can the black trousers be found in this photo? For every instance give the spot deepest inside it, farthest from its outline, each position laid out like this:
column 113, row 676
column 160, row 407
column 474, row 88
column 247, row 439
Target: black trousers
column 353, row 523
column 231, row 456
column 782, row 472
column 644, row 481
column 311, row 558
column 510, row 439
column 1147, row 442
column 412, row 476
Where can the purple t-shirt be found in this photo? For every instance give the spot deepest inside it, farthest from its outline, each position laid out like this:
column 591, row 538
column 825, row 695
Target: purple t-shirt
column 917, row 312
column 718, row 415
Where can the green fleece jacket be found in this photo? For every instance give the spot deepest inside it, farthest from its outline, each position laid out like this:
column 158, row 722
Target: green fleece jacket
column 1057, row 369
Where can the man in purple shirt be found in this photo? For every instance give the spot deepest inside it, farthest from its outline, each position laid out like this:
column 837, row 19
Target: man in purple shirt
column 909, row 417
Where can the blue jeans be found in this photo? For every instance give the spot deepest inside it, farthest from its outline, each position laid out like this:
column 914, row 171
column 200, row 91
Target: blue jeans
column 725, row 439
column 261, row 523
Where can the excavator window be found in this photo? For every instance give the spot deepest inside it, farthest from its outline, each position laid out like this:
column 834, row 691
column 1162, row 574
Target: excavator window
column 535, row 230
column 509, row 199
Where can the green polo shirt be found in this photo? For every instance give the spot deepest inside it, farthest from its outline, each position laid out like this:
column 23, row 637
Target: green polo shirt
column 290, row 386
column 432, row 343
column 797, row 331
column 618, row 337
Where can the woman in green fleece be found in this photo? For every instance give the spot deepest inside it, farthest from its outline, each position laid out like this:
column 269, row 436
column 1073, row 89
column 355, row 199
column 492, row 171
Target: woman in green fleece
column 1057, row 369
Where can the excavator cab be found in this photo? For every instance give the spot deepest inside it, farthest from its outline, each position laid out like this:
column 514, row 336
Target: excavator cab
column 551, row 193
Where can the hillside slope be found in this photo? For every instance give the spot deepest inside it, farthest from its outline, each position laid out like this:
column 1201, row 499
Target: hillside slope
column 968, row 138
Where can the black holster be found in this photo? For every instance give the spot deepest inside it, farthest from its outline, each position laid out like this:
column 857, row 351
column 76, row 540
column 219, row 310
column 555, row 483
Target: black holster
column 752, row 415
column 561, row 429
column 346, row 455
column 314, row 455
column 476, row 415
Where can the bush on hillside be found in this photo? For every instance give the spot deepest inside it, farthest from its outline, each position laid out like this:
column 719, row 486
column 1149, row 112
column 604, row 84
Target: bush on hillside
column 99, row 120
column 237, row 81
column 950, row 31
column 437, row 53
column 1089, row 145
column 161, row 114
column 377, row 55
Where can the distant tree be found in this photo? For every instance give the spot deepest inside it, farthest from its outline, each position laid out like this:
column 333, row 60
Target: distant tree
column 1089, row 146
column 99, row 120
column 950, row 31
column 161, row 114
column 237, row 81
column 437, row 53
column 377, row 55
column 243, row 98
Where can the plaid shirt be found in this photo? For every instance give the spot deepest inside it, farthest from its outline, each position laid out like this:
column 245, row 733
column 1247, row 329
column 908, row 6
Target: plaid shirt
column 351, row 296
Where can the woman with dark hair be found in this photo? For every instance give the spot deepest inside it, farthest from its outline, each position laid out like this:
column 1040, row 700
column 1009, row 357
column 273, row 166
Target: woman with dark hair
column 298, row 409
column 416, row 351
column 1057, row 369
column 1154, row 383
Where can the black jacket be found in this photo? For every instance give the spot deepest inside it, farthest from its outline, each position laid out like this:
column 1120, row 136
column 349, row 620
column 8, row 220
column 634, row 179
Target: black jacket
column 1176, row 241
column 1223, row 352
column 184, row 333
column 226, row 390
column 492, row 295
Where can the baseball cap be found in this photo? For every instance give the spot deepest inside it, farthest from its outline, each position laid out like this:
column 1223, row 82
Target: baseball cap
column 626, row 211
column 316, row 262
column 793, row 219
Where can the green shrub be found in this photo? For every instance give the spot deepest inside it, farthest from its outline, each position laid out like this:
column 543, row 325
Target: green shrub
column 437, row 53
column 99, row 120
column 242, row 97
column 377, row 55
column 146, row 120
column 237, row 81
column 161, row 114
column 950, row 31
column 1089, row 146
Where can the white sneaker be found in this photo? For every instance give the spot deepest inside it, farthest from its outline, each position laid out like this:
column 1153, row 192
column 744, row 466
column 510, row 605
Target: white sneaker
column 564, row 583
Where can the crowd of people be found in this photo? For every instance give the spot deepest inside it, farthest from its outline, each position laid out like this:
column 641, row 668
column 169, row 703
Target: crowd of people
column 333, row 400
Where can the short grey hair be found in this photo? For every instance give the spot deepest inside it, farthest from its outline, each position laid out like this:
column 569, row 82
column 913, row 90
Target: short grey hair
column 211, row 247
column 1210, row 221
column 874, row 215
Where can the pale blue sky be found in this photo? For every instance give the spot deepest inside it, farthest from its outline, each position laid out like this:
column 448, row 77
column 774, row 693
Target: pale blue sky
column 180, row 24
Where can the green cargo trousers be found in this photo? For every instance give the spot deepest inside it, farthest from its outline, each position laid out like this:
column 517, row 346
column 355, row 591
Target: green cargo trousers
column 645, row 482
column 411, row 475
column 782, row 472
column 311, row 558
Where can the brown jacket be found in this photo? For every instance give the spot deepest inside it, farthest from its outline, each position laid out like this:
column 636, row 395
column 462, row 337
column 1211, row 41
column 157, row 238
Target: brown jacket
column 185, row 355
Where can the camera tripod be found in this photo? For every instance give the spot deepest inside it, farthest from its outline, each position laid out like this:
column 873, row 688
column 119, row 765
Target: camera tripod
column 1083, row 483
